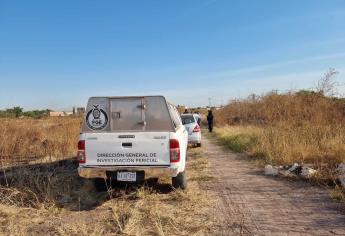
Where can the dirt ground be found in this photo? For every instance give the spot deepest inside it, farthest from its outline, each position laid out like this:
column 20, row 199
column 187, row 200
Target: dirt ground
column 253, row 204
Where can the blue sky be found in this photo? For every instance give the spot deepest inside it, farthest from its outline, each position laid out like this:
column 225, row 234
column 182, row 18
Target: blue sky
column 56, row 54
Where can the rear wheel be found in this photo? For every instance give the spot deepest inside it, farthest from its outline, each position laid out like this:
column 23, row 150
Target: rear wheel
column 151, row 182
column 100, row 185
column 180, row 181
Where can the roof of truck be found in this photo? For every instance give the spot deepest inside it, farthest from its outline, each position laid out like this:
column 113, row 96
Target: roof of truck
column 127, row 96
column 111, row 97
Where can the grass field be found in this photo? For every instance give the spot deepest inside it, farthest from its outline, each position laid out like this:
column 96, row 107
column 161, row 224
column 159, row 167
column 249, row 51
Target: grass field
column 23, row 140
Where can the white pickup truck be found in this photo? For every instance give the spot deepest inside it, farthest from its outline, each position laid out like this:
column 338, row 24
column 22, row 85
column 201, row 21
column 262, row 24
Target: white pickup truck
column 131, row 139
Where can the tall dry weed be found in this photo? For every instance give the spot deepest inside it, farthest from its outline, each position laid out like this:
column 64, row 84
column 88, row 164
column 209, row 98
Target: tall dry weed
column 312, row 144
column 292, row 108
column 29, row 139
column 304, row 127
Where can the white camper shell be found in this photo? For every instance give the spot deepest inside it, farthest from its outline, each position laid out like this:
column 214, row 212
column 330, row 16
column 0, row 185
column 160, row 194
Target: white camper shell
column 132, row 139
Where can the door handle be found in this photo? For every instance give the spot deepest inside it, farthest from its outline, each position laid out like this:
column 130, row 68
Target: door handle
column 127, row 145
column 142, row 123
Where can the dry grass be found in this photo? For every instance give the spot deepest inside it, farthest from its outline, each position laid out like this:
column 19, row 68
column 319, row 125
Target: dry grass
column 46, row 197
column 305, row 127
column 313, row 144
column 199, row 164
column 294, row 108
column 29, row 139
column 338, row 194
column 281, row 144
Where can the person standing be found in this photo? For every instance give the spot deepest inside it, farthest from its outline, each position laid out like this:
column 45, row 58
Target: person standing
column 210, row 121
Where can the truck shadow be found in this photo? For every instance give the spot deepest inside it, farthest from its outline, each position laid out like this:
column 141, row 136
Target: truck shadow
column 58, row 184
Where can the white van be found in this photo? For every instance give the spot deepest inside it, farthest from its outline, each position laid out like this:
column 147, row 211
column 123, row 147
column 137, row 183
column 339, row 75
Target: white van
column 131, row 139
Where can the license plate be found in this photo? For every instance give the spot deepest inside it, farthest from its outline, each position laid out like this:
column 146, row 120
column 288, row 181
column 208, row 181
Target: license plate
column 127, row 176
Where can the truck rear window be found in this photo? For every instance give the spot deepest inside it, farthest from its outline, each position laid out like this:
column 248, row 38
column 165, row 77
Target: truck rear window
column 187, row 119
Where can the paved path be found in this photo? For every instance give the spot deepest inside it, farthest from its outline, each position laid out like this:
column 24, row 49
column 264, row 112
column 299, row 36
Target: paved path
column 253, row 204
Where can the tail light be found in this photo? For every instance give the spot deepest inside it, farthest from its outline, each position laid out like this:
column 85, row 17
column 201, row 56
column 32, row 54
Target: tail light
column 174, row 151
column 81, row 151
column 196, row 129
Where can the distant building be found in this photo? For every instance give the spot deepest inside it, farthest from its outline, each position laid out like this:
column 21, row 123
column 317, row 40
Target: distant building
column 60, row 113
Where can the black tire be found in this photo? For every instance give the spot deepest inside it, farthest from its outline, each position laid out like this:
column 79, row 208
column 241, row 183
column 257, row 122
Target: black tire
column 198, row 144
column 180, row 181
column 100, row 185
column 151, row 182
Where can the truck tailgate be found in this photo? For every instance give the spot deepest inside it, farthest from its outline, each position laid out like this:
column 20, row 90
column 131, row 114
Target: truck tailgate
column 127, row 149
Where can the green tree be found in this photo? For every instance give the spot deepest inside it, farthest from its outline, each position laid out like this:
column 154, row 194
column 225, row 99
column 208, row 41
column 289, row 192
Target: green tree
column 15, row 111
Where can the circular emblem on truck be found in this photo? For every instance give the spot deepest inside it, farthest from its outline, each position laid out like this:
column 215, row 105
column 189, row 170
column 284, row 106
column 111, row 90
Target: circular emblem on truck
column 96, row 118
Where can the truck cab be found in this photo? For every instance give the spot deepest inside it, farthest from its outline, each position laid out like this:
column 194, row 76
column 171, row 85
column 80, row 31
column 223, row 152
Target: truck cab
column 130, row 139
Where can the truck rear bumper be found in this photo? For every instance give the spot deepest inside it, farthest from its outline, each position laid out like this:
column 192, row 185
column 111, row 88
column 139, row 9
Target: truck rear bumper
column 194, row 138
column 91, row 172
